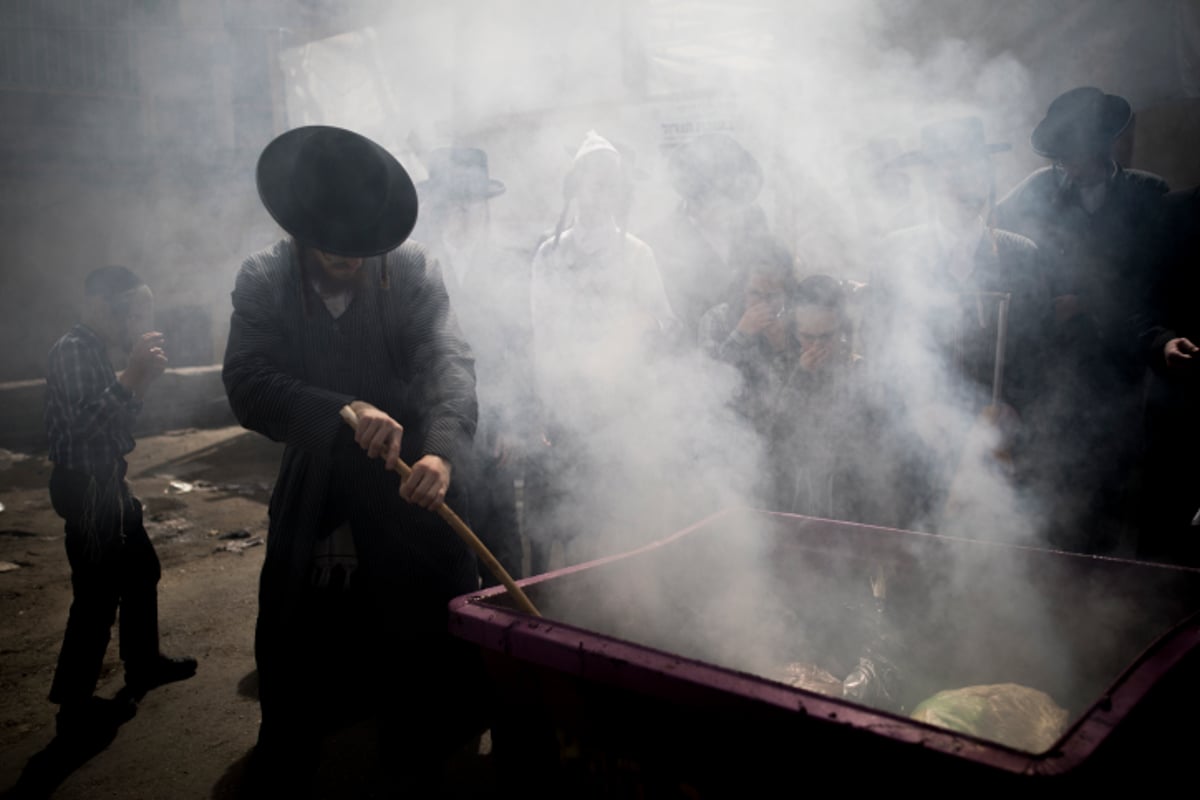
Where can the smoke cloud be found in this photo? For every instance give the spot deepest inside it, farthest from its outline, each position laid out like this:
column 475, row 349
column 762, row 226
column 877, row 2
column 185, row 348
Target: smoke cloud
column 825, row 95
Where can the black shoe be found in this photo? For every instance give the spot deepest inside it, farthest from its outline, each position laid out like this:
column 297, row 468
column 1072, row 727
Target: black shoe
column 141, row 677
column 92, row 720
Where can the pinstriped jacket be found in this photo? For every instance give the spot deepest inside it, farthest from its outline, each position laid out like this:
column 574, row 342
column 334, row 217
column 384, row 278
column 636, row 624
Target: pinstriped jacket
column 289, row 368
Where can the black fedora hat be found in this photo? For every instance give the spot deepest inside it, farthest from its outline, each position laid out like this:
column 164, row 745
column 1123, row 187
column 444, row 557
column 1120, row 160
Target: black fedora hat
column 337, row 191
column 715, row 163
column 951, row 140
column 459, row 173
column 1083, row 121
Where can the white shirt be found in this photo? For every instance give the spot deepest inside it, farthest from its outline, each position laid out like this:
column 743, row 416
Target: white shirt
column 593, row 298
column 336, row 302
column 1092, row 197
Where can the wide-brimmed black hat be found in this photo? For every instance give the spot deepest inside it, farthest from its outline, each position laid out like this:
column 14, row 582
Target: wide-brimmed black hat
column 459, row 173
column 1083, row 121
column 337, row 191
column 715, row 163
column 951, row 140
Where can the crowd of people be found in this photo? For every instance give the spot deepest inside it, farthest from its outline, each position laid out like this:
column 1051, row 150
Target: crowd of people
column 1013, row 367
column 1020, row 368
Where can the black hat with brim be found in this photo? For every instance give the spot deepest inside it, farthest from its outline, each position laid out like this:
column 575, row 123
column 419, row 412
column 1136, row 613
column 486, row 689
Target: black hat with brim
column 459, row 173
column 1083, row 121
column 950, row 140
column 460, row 188
column 337, row 191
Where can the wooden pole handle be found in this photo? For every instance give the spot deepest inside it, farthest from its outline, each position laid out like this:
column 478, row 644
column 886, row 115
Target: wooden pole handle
column 464, row 533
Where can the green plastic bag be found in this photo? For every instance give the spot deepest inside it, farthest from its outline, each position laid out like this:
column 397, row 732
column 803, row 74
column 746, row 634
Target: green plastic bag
column 1005, row 713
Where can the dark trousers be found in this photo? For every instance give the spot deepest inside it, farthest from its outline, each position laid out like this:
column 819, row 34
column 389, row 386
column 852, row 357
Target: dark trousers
column 376, row 649
column 113, row 566
column 1169, row 498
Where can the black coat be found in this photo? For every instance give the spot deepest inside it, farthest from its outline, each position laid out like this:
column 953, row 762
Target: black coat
column 289, row 369
column 1106, row 258
column 1091, row 438
column 1172, row 309
column 1171, row 497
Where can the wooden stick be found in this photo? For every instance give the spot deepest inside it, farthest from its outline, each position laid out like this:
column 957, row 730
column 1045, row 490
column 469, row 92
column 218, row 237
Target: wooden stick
column 1001, row 344
column 465, row 533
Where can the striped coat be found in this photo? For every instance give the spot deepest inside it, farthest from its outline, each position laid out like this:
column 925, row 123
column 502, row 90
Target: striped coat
column 290, row 367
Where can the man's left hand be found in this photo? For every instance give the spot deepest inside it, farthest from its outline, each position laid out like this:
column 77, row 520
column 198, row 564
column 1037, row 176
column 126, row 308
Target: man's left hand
column 1179, row 352
column 426, row 486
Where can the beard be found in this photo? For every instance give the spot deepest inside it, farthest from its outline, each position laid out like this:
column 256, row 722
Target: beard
column 334, row 276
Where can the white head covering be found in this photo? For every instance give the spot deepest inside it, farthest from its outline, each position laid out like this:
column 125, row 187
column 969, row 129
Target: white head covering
column 593, row 143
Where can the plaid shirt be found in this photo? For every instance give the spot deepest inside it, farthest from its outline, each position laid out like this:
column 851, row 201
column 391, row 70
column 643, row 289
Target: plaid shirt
column 89, row 415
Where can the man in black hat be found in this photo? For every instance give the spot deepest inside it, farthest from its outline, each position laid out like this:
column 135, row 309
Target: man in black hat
column 488, row 284
column 700, row 247
column 358, row 570
column 1098, row 226
column 953, row 298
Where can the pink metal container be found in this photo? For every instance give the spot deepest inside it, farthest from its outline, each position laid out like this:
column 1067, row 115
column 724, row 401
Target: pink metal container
column 657, row 672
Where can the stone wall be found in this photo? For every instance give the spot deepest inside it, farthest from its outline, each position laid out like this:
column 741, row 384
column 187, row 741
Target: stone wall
column 186, row 397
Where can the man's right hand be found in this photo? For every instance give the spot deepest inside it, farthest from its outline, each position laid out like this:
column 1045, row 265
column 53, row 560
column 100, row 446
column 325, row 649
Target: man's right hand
column 756, row 319
column 1179, row 352
column 147, row 360
column 815, row 357
column 377, row 433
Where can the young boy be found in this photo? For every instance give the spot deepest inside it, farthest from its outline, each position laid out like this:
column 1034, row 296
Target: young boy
column 89, row 416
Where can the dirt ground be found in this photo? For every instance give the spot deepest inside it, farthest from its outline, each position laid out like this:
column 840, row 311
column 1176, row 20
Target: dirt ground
column 205, row 494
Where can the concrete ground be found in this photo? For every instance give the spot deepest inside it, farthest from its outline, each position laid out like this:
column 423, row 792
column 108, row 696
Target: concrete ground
column 205, row 493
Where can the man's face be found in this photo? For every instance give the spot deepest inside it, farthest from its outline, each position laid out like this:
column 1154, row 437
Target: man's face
column 765, row 288
column 598, row 183
column 818, row 332
column 337, row 270
column 1082, row 171
column 964, row 184
column 713, row 209
column 130, row 314
column 465, row 221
